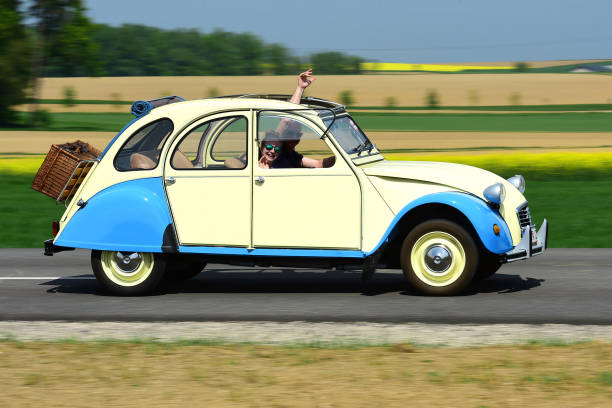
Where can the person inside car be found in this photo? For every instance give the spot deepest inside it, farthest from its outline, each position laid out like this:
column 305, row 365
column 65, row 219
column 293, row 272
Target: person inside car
column 270, row 150
column 291, row 131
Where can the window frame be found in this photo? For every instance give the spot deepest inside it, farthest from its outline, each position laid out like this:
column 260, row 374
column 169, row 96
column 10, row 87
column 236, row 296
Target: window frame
column 207, row 141
column 304, row 121
column 161, row 147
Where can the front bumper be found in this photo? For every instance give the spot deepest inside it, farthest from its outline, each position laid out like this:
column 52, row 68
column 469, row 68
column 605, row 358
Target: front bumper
column 51, row 248
column 533, row 243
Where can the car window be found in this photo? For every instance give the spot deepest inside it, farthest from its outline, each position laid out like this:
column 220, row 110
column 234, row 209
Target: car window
column 225, row 139
column 142, row 150
column 299, row 140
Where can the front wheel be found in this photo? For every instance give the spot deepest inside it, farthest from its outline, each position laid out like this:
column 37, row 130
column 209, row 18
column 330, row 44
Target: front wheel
column 128, row 273
column 439, row 257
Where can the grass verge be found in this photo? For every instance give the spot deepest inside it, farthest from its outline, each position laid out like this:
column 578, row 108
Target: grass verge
column 111, row 373
column 487, row 122
column 567, row 189
column 494, row 108
column 467, row 122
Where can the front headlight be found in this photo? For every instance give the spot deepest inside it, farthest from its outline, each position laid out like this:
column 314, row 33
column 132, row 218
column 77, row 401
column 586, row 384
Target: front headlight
column 495, row 193
column 518, row 181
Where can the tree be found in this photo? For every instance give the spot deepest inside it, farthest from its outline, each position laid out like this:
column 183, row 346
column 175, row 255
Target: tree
column 335, row 63
column 15, row 54
column 64, row 39
column 276, row 59
column 521, row 67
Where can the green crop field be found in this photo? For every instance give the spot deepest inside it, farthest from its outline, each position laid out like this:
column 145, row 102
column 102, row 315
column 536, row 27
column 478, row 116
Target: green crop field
column 467, row 122
column 564, row 188
column 497, row 108
column 487, row 122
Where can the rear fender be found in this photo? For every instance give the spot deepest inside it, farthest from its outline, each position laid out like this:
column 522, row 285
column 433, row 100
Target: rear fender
column 128, row 216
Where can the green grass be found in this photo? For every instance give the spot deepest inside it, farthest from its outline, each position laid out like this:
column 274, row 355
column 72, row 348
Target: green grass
column 82, row 102
column 483, row 122
column 388, row 121
column 27, row 214
column 572, row 193
column 81, row 121
column 564, row 69
column 534, row 108
column 579, row 212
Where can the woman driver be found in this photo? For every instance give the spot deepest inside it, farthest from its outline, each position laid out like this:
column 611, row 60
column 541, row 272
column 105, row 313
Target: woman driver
column 270, row 150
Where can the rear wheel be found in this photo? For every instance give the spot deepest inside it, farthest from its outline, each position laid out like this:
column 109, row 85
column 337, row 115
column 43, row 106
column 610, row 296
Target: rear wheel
column 439, row 257
column 128, row 273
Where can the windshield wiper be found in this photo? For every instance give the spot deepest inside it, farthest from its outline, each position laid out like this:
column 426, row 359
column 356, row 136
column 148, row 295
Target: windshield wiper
column 366, row 145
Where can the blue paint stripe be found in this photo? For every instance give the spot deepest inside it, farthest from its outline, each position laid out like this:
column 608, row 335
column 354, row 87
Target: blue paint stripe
column 308, row 253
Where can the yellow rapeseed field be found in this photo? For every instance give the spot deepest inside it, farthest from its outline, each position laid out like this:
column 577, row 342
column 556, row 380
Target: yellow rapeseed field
column 396, row 66
column 539, row 162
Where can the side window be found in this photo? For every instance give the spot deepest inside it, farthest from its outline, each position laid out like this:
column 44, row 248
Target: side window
column 301, row 146
column 217, row 144
column 142, row 150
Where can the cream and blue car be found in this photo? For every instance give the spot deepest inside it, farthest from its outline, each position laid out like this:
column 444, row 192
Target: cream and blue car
column 180, row 186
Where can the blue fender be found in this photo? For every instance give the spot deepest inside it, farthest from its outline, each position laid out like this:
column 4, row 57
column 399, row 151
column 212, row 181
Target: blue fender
column 481, row 216
column 129, row 216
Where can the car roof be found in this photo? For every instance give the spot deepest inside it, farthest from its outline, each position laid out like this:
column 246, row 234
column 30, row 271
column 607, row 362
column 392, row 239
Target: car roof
column 194, row 108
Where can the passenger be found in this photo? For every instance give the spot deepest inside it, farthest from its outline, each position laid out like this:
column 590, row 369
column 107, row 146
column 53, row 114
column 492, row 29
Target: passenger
column 291, row 132
column 270, row 150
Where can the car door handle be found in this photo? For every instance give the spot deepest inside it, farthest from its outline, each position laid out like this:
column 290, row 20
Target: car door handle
column 170, row 181
column 259, row 180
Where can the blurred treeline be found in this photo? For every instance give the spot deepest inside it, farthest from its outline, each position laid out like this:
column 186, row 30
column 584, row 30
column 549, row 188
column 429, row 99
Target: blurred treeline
column 55, row 38
column 135, row 50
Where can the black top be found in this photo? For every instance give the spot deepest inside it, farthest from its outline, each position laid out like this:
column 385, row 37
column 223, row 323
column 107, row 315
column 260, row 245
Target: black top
column 288, row 160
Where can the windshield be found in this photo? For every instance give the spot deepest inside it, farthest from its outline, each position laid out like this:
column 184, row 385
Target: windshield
column 350, row 137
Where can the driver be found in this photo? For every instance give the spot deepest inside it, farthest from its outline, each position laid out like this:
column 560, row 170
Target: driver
column 291, row 131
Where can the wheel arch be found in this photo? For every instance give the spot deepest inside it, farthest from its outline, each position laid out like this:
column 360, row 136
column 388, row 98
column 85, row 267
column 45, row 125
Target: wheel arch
column 470, row 212
column 130, row 216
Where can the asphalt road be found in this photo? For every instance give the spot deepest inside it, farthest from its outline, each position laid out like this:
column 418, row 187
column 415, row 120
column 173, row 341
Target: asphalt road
column 571, row 286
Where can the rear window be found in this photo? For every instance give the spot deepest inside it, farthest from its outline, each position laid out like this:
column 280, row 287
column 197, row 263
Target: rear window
column 142, row 150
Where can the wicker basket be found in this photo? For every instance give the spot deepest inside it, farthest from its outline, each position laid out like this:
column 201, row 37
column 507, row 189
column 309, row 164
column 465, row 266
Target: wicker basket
column 59, row 164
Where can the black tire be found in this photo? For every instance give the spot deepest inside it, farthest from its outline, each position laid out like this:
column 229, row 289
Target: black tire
column 128, row 273
column 439, row 257
column 488, row 265
column 183, row 267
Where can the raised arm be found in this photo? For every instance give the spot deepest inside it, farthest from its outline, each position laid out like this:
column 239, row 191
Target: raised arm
column 304, row 80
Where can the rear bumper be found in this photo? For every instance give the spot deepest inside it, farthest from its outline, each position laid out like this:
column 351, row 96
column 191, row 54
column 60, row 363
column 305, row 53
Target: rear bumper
column 532, row 244
column 51, row 248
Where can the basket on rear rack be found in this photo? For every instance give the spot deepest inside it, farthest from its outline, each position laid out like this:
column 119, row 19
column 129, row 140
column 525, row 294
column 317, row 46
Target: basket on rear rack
column 64, row 169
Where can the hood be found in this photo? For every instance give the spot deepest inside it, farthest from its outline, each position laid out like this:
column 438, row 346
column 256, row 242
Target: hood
column 457, row 176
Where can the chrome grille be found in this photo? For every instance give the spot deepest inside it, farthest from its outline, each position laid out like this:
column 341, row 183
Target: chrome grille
column 524, row 216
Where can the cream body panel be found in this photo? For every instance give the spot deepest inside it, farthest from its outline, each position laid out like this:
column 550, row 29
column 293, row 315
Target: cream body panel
column 307, row 208
column 210, row 206
column 211, row 209
column 398, row 193
column 377, row 215
column 448, row 177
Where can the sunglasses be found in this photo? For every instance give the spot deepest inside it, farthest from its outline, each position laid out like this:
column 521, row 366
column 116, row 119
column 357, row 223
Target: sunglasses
column 270, row 147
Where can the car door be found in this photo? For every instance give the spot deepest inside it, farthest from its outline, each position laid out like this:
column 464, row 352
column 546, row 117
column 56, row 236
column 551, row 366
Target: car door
column 304, row 207
column 208, row 181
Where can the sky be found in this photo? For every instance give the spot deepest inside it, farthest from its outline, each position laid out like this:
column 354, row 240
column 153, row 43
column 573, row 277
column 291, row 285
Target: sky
column 427, row 31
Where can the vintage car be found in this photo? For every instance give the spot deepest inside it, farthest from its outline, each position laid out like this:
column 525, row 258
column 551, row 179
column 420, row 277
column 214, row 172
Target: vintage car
column 180, row 186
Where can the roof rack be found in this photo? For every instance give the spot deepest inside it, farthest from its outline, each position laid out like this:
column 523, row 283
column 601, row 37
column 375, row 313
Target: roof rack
column 308, row 100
